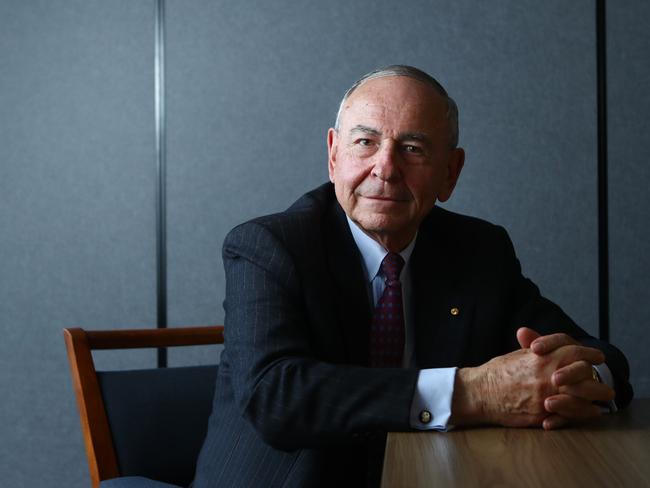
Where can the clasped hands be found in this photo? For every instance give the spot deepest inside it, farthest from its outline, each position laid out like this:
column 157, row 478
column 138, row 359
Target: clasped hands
column 548, row 382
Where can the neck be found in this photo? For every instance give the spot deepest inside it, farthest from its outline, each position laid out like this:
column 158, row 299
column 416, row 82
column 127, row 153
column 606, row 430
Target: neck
column 390, row 242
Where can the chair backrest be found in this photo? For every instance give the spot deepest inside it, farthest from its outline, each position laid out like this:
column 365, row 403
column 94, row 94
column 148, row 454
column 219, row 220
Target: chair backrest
column 147, row 422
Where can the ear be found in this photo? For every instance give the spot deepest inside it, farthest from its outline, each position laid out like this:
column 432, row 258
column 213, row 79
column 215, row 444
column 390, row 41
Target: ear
column 454, row 167
column 332, row 147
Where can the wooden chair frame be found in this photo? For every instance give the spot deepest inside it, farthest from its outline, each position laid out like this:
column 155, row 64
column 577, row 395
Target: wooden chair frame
column 102, row 459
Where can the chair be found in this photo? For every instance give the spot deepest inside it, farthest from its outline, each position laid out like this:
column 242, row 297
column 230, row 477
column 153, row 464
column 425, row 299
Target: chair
column 145, row 423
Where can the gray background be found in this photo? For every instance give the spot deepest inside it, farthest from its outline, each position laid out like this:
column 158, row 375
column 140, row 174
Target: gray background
column 629, row 184
column 251, row 89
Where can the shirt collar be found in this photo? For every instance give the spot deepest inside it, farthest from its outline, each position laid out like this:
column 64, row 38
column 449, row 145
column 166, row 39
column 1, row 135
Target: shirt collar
column 372, row 252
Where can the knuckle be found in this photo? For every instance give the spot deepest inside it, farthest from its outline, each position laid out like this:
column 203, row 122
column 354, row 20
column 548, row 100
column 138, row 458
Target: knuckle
column 577, row 352
column 561, row 339
column 539, row 418
column 585, row 367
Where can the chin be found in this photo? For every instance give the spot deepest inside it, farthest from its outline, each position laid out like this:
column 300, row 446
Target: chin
column 380, row 224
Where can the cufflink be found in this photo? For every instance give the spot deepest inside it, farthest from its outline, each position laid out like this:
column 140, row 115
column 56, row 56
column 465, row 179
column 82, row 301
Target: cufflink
column 454, row 311
column 425, row 416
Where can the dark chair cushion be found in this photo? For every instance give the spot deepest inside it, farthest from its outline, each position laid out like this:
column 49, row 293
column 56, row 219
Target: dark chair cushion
column 158, row 419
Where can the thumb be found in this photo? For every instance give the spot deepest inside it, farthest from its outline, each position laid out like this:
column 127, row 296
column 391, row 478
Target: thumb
column 525, row 336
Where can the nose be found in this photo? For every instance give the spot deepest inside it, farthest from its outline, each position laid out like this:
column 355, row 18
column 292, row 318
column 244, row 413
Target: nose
column 387, row 164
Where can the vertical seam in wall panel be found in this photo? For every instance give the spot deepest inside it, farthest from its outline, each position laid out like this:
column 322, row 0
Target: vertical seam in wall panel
column 603, row 237
column 161, row 159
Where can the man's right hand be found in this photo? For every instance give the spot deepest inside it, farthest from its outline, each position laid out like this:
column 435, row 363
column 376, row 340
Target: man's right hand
column 511, row 390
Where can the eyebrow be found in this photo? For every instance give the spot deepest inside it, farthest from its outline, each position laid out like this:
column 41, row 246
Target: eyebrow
column 365, row 130
column 414, row 136
column 406, row 136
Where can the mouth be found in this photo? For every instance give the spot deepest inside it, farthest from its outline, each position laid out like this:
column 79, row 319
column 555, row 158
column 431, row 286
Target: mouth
column 383, row 198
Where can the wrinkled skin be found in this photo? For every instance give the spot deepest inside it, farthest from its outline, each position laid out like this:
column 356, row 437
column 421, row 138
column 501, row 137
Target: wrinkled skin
column 547, row 383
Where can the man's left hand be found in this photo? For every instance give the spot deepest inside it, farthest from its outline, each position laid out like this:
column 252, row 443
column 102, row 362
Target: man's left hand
column 577, row 389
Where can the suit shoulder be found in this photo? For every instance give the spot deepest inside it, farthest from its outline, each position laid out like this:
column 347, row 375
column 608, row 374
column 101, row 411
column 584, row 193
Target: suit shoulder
column 294, row 225
column 462, row 235
column 462, row 225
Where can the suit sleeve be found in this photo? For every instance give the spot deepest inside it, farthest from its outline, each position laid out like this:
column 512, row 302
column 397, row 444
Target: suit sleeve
column 289, row 396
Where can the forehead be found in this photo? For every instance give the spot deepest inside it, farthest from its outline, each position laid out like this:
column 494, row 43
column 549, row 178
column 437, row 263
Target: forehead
column 396, row 102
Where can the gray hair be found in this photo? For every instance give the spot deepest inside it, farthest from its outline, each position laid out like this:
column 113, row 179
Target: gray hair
column 410, row 72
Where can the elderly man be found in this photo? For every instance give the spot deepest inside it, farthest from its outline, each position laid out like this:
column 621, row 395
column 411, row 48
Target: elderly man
column 364, row 308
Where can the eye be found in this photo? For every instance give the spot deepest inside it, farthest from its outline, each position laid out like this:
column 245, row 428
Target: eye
column 364, row 142
column 410, row 148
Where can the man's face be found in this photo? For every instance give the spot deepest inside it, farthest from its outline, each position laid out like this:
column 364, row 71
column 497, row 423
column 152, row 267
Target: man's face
column 391, row 159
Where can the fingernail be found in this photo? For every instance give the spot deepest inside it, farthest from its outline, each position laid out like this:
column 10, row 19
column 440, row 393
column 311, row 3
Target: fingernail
column 557, row 378
column 548, row 404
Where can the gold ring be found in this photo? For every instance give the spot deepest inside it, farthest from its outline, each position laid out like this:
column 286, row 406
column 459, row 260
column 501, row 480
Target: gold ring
column 595, row 376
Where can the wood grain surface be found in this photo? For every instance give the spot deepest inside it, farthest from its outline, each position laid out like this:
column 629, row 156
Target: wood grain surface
column 611, row 452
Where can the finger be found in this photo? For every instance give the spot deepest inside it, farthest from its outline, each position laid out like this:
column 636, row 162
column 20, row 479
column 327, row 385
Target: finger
column 589, row 390
column 548, row 343
column 571, row 354
column 571, row 407
column 553, row 422
column 525, row 336
column 573, row 373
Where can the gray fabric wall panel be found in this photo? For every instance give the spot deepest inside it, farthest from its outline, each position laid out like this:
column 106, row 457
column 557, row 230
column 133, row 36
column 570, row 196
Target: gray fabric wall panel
column 76, row 213
column 253, row 87
column 629, row 183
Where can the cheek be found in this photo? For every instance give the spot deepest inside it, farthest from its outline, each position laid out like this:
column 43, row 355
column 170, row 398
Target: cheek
column 424, row 186
column 350, row 173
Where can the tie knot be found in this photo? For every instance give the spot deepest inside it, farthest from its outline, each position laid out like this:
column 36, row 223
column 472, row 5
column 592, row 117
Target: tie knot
column 392, row 266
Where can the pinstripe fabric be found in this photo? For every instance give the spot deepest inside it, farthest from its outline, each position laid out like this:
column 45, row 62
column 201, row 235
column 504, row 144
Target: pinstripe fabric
column 295, row 401
column 290, row 402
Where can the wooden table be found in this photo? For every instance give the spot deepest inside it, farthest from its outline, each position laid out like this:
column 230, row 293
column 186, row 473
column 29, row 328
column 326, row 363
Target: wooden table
column 612, row 452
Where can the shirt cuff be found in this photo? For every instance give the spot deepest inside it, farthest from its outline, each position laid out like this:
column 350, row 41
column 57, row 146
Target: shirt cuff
column 606, row 377
column 431, row 405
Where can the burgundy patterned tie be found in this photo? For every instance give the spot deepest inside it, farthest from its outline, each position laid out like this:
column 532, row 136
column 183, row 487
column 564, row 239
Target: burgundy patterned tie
column 387, row 329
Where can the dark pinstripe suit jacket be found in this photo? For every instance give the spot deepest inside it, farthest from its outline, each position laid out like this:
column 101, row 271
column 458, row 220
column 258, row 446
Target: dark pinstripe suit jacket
column 295, row 404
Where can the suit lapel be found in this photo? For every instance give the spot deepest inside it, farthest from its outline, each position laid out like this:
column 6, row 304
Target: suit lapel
column 442, row 305
column 351, row 296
